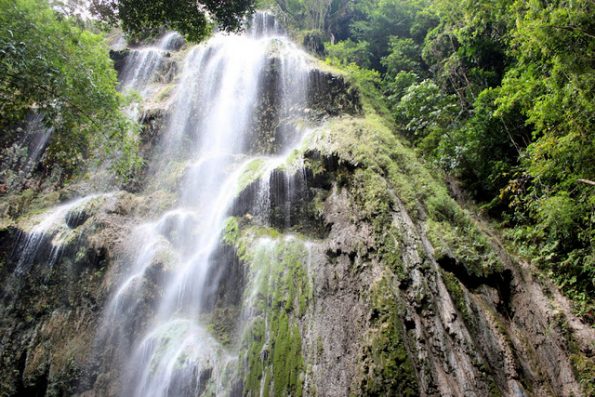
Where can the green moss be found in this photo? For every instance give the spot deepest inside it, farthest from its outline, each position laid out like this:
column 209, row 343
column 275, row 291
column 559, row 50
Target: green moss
column 584, row 369
column 318, row 202
column 279, row 292
column 254, row 358
column 251, row 173
column 465, row 244
column 222, row 323
column 26, row 205
column 231, row 231
column 582, row 365
column 365, row 81
column 287, row 359
column 390, row 252
column 388, row 369
column 383, row 163
column 267, row 382
column 315, row 165
column 457, row 294
column 249, row 235
column 276, row 363
column 371, row 193
column 165, row 92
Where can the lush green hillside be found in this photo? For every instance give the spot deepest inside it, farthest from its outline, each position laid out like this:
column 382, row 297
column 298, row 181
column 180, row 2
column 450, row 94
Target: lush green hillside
column 498, row 94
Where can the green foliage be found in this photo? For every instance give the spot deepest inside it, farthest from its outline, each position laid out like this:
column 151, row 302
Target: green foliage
column 424, row 110
column 396, row 87
column 500, row 95
column 307, row 14
column 231, row 231
column 142, row 18
column 382, row 23
column 403, row 56
column 466, row 51
column 584, row 368
column 368, row 83
column 347, row 52
column 54, row 68
column 551, row 85
column 251, row 172
column 457, row 294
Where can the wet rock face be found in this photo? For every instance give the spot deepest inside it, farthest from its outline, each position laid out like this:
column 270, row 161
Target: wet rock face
column 326, row 95
column 331, row 95
column 119, row 58
column 152, row 125
column 390, row 316
column 290, row 200
column 49, row 314
column 230, row 279
column 426, row 324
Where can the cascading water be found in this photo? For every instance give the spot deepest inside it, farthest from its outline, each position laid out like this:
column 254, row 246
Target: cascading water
column 144, row 63
column 48, row 235
column 157, row 314
column 54, row 226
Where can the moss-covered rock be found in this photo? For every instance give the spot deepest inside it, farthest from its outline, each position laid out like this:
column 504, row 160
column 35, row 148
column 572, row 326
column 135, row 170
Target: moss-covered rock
column 388, row 367
column 276, row 297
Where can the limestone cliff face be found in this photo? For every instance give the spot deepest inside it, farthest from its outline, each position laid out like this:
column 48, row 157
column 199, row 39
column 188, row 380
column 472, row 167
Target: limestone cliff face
column 366, row 277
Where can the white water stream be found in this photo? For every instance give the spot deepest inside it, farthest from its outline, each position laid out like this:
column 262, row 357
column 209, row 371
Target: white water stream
column 158, row 308
column 143, row 64
column 50, row 231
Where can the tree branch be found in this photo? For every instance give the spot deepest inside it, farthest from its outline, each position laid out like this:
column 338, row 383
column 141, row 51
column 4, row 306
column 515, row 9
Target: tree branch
column 573, row 28
column 586, row 181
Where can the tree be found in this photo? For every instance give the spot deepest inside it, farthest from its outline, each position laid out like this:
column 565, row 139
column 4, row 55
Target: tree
column 551, row 85
column 381, row 20
column 404, row 55
column 466, row 51
column 349, row 51
column 425, row 112
column 190, row 17
column 57, row 70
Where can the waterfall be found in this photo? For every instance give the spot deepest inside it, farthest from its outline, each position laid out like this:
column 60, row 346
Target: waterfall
column 53, row 226
column 173, row 267
column 278, row 240
column 144, row 63
column 40, row 246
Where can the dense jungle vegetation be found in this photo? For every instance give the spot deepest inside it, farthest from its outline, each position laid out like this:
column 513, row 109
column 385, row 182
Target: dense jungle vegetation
column 55, row 63
column 496, row 93
column 52, row 66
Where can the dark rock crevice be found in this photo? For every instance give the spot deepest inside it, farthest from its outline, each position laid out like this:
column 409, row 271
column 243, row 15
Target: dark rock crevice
column 502, row 282
column 289, row 202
